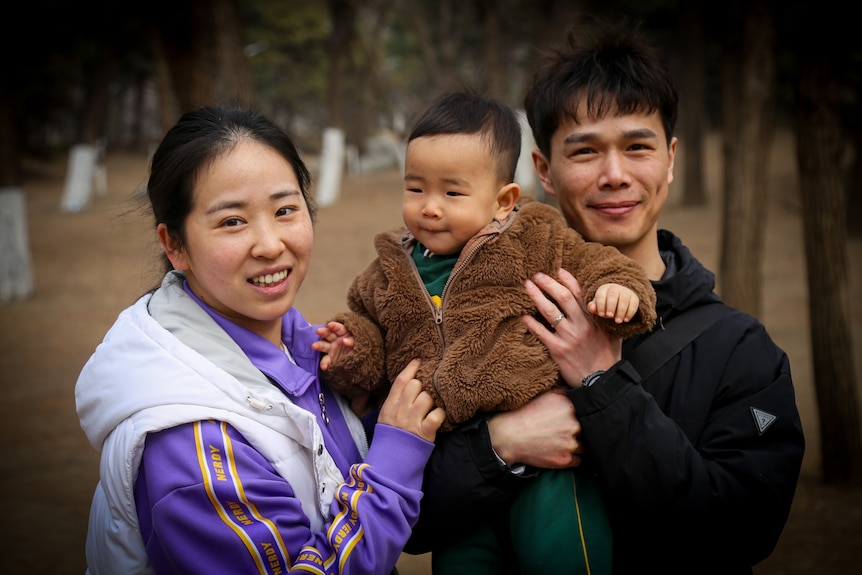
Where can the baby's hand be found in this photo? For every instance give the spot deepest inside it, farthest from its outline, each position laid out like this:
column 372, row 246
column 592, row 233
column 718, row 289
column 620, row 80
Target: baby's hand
column 616, row 301
column 336, row 342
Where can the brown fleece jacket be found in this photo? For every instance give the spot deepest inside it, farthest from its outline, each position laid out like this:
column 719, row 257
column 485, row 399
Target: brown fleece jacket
column 477, row 355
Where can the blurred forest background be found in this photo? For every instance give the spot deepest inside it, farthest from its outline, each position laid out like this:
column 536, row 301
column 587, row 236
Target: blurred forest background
column 116, row 75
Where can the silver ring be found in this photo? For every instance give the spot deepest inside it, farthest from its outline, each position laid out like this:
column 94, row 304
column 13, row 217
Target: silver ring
column 558, row 319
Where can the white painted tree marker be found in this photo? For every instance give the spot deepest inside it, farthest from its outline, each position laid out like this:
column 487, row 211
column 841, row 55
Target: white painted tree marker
column 331, row 167
column 16, row 277
column 80, row 177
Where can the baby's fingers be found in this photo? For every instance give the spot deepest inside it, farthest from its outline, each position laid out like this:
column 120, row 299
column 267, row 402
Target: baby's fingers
column 322, row 346
column 605, row 302
column 627, row 309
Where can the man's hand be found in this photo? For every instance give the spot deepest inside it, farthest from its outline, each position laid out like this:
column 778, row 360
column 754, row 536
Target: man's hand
column 575, row 343
column 542, row 433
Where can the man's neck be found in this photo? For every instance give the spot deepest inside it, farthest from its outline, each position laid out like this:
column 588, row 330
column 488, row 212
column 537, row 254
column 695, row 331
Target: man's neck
column 647, row 256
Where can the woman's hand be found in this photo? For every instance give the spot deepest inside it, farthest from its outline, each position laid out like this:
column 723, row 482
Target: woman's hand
column 575, row 343
column 542, row 433
column 409, row 407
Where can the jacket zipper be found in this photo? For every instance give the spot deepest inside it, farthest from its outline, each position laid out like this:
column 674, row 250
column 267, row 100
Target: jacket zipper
column 438, row 310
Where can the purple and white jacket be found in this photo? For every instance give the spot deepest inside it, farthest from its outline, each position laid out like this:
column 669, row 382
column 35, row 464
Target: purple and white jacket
column 219, row 454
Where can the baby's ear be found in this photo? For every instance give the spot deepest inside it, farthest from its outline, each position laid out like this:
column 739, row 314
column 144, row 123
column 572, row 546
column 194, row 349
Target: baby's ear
column 507, row 199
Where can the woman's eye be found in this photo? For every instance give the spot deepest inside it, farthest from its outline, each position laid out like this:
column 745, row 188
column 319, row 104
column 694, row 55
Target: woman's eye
column 286, row 210
column 232, row 222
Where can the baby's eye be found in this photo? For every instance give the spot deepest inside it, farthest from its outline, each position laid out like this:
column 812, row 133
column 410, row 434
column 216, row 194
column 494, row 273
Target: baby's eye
column 454, row 194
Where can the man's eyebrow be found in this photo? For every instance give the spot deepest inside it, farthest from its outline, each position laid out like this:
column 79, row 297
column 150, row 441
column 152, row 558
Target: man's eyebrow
column 581, row 137
column 639, row 133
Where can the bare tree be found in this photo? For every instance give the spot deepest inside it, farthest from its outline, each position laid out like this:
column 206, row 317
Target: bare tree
column 748, row 91
column 854, row 194
column 820, row 146
column 492, row 46
column 343, row 15
column 16, row 278
column 693, row 103
column 202, row 46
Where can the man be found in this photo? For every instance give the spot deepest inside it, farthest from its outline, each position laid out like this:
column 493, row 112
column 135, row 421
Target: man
column 699, row 458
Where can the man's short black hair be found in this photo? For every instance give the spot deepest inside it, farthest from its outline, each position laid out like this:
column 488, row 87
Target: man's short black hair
column 609, row 68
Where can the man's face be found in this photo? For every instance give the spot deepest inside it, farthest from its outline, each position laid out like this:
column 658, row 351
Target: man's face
column 611, row 177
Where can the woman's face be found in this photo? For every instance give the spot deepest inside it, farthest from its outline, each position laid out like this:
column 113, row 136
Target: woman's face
column 248, row 238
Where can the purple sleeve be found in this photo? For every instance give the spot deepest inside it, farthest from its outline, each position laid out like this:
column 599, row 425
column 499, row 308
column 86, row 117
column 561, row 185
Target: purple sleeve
column 209, row 503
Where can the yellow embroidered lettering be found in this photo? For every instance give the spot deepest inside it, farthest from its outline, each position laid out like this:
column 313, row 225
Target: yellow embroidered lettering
column 272, row 557
column 218, row 466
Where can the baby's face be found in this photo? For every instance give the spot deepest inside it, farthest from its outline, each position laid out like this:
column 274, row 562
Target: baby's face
column 450, row 190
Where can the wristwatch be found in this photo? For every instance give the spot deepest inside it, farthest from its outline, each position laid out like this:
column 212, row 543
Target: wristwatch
column 591, row 379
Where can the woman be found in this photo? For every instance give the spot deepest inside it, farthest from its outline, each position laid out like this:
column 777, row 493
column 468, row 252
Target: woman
column 221, row 450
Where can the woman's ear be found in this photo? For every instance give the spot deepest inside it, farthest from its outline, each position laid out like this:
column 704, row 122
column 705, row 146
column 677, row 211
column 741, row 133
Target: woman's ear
column 507, row 199
column 172, row 249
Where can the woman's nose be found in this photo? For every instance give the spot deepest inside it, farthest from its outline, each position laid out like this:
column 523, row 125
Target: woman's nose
column 267, row 242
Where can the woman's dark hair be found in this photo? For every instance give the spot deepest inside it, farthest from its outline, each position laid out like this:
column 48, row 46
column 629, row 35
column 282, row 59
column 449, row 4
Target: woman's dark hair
column 611, row 71
column 467, row 112
column 197, row 140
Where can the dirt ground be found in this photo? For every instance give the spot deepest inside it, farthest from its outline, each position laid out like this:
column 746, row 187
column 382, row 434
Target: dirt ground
column 88, row 266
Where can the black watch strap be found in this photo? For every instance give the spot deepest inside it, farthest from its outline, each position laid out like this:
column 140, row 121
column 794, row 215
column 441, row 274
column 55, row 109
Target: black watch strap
column 593, row 378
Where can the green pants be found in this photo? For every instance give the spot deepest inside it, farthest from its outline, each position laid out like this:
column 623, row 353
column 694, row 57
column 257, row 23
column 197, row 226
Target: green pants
column 557, row 524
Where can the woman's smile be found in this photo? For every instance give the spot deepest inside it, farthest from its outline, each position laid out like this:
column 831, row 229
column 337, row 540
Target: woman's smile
column 270, row 279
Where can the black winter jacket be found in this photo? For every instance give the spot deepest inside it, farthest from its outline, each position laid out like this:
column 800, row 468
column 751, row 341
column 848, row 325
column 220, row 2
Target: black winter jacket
column 693, row 481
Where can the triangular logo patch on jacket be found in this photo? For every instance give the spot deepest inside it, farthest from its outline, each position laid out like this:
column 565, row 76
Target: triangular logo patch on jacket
column 762, row 419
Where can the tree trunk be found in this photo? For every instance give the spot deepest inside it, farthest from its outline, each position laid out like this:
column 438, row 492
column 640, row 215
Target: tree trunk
column 854, row 194
column 201, row 41
column 10, row 172
column 819, row 133
column 343, row 15
column 98, row 85
column 492, row 48
column 747, row 99
column 169, row 108
column 693, row 104
column 16, row 277
column 419, row 25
